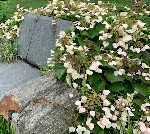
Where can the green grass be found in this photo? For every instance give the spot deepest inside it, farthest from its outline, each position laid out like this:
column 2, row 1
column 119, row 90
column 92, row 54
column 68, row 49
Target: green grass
column 10, row 5
column 8, row 51
column 5, row 126
column 124, row 2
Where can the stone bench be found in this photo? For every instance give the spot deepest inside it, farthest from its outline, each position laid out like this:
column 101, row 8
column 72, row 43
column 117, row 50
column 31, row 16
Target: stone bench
column 36, row 38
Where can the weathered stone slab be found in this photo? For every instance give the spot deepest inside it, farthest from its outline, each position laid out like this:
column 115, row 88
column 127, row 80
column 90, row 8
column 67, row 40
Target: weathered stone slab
column 52, row 118
column 14, row 74
column 38, row 36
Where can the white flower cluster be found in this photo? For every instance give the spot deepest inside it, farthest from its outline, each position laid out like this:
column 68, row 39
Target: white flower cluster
column 79, row 130
column 123, row 35
column 10, row 29
column 116, row 115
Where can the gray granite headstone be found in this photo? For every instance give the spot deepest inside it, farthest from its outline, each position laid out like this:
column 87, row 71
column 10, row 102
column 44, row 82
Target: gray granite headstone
column 38, row 36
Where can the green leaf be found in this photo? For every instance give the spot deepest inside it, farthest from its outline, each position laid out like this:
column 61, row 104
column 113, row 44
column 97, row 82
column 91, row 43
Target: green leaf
column 84, row 33
column 98, row 130
column 142, row 89
column 147, row 61
column 121, row 87
column 138, row 101
column 84, row 89
column 84, row 82
column 116, row 87
column 95, row 31
column 104, row 63
column 99, row 86
column 81, row 42
column 59, row 70
column 93, row 78
column 97, row 49
column 82, row 118
column 68, row 79
column 110, row 46
column 128, row 86
column 111, row 77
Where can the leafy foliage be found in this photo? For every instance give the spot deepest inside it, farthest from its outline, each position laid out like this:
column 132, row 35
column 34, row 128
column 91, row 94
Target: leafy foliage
column 106, row 52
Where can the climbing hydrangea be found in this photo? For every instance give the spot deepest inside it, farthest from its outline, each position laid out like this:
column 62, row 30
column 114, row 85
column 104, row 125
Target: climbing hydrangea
column 106, row 56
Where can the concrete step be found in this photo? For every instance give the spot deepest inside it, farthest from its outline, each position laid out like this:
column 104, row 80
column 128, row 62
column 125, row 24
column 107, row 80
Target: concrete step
column 15, row 74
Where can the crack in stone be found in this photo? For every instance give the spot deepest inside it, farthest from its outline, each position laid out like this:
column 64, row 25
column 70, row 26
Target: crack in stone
column 32, row 31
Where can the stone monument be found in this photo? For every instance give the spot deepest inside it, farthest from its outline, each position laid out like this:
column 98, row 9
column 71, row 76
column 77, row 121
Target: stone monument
column 38, row 36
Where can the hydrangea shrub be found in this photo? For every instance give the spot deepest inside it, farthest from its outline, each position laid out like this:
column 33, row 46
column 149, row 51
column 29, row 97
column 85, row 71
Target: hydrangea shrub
column 106, row 56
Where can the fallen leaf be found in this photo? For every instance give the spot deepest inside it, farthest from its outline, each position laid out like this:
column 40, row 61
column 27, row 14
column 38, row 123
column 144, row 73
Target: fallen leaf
column 9, row 102
column 55, row 104
column 34, row 101
column 4, row 114
column 44, row 101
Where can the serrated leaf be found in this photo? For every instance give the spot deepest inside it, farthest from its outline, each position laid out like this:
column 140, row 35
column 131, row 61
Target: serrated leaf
column 142, row 89
column 147, row 61
column 93, row 78
column 84, row 33
column 128, row 86
column 59, row 70
column 116, row 87
column 98, row 130
column 81, row 42
column 97, row 49
column 111, row 77
column 104, row 63
column 138, row 101
column 99, row 86
column 95, row 31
